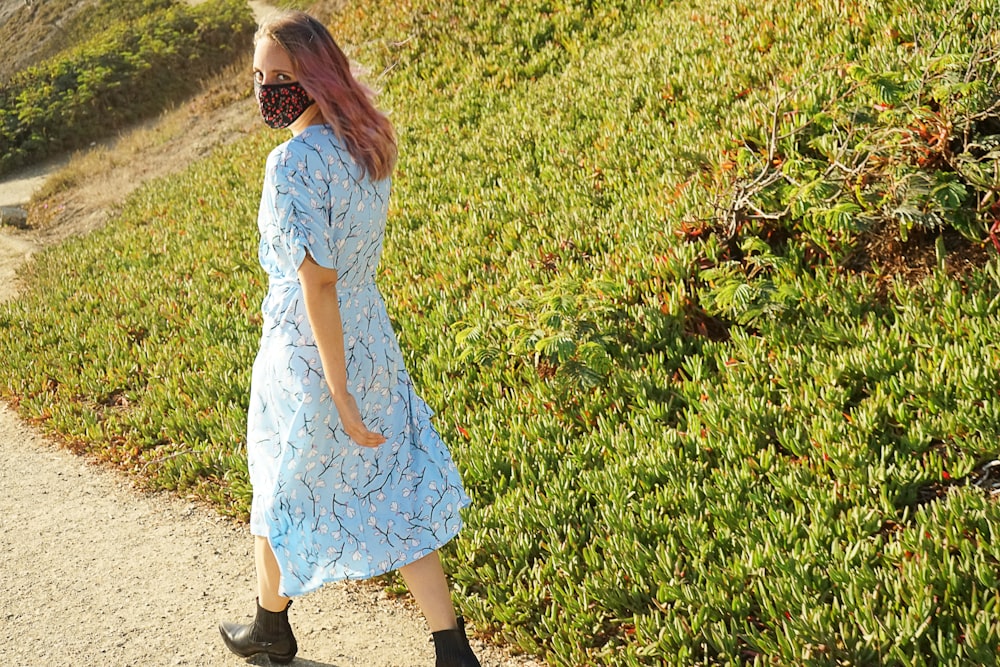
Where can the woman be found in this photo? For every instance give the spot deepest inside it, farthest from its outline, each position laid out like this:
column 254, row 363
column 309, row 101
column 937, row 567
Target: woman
column 350, row 480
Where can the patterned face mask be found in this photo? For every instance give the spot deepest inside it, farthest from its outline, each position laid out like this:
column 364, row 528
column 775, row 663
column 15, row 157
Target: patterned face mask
column 281, row 103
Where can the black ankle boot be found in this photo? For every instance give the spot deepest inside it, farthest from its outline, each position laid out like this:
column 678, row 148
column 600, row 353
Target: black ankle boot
column 452, row 648
column 269, row 633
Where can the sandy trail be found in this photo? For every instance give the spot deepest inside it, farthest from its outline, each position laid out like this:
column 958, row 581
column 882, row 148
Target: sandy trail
column 16, row 246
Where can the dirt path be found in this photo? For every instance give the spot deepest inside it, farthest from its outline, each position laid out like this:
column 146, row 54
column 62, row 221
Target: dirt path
column 96, row 572
column 16, row 246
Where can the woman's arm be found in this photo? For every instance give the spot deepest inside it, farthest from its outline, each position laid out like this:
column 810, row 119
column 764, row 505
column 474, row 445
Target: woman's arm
column 319, row 290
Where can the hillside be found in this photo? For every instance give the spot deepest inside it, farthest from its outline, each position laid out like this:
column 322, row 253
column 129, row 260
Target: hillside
column 112, row 65
column 31, row 30
column 75, row 193
column 704, row 297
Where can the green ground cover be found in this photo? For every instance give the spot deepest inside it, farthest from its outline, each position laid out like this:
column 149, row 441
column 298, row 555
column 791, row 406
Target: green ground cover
column 623, row 260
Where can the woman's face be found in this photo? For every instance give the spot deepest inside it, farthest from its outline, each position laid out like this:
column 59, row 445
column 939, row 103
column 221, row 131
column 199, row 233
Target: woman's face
column 283, row 102
column 271, row 64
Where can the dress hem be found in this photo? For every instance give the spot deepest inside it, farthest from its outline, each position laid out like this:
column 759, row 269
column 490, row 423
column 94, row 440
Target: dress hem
column 311, row 588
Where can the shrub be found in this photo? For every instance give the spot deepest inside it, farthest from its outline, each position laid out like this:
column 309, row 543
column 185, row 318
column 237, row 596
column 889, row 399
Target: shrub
column 127, row 72
column 905, row 146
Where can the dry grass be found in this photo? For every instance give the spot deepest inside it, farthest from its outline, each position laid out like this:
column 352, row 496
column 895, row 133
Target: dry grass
column 34, row 31
column 79, row 196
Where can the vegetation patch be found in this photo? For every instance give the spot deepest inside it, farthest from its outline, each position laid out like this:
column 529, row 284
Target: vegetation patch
column 895, row 172
column 150, row 56
column 696, row 427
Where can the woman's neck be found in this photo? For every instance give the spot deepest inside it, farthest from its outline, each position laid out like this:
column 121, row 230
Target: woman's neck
column 311, row 116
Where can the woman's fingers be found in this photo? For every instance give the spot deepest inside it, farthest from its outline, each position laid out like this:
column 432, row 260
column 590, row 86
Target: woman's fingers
column 350, row 420
column 364, row 437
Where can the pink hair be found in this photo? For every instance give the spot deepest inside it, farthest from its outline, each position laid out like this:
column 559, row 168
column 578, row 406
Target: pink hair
column 325, row 73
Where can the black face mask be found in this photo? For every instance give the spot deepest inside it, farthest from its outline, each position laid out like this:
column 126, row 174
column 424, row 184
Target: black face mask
column 281, row 103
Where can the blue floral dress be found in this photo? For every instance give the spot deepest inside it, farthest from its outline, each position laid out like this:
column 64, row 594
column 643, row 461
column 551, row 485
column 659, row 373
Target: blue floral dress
column 331, row 509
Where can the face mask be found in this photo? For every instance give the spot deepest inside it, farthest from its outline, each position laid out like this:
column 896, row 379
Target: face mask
column 281, row 103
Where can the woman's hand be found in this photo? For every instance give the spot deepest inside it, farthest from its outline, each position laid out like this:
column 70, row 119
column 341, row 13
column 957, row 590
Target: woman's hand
column 351, row 422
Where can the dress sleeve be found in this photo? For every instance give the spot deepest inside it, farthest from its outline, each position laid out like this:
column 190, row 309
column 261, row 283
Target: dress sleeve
column 302, row 210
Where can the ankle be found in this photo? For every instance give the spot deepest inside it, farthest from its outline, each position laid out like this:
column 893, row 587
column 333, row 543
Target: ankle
column 444, row 625
column 275, row 605
column 271, row 623
column 452, row 647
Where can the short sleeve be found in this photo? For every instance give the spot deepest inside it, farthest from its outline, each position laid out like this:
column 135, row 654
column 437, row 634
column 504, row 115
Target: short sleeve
column 301, row 209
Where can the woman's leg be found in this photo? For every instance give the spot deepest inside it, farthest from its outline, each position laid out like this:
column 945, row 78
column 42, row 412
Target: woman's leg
column 426, row 581
column 428, row 585
column 270, row 632
column 268, row 576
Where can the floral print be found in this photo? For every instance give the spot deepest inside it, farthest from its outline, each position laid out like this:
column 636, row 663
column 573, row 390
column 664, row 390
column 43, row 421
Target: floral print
column 330, row 508
column 281, row 103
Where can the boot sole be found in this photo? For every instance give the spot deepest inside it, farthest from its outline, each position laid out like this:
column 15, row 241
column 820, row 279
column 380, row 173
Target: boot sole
column 281, row 659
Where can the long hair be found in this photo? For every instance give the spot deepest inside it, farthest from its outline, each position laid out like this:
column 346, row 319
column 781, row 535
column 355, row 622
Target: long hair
column 346, row 104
